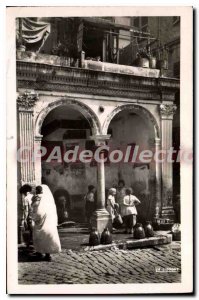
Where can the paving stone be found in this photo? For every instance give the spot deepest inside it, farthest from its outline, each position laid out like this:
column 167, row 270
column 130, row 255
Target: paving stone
column 104, row 266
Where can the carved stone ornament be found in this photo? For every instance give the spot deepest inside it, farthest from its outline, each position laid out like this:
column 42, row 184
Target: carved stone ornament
column 100, row 139
column 27, row 100
column 168, row 110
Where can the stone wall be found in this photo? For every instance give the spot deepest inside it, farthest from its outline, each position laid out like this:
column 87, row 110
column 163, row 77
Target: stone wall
column 126, row 129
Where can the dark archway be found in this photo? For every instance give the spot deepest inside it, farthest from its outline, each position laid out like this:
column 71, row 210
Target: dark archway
column 134, row 108
column 85, row 110
column 129, row 128
column 66, row 128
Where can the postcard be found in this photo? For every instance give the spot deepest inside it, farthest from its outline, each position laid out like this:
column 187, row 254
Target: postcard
column 99, row 150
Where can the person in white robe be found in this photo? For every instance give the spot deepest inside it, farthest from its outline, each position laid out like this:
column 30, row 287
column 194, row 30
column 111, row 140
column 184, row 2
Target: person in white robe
column 44, row 214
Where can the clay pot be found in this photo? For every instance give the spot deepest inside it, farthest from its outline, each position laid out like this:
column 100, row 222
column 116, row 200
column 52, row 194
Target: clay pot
column 106, row 237
column 176, row 232
column 143, row 62
column 176, row 236
column 148, row 229
column 94, row 238
column 139, row 231
column 152, row 62
column 162, row 64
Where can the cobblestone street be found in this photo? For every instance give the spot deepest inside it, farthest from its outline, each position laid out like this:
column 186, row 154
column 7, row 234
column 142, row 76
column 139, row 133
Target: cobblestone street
column 149, row 265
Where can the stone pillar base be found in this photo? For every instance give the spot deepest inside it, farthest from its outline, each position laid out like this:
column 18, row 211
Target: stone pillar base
column 168, row 213
column 101, row 220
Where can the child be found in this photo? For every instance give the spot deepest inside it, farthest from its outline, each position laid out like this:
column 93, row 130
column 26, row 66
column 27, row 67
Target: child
column 111, row 204
column 90, row 202
column 26, row 192
column 129, row 211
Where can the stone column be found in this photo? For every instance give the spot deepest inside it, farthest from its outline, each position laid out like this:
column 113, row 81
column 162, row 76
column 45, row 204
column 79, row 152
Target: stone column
column 167, row 111
column 25, row 103
column 101, row 218
column 37, row 162
column 158, row 173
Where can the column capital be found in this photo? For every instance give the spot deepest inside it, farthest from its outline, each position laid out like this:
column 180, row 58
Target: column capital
column 157, row 141
column 27, row 100
column 167, row 111
column 100, row 139
column 38, row 138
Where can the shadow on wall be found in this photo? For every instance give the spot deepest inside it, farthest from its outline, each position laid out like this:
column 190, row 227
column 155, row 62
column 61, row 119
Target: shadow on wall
column 144, row 189
column 69, row 207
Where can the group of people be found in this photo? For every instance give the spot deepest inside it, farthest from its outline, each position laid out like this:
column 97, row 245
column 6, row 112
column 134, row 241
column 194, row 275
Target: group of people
column 39, row 213
column 119, row 201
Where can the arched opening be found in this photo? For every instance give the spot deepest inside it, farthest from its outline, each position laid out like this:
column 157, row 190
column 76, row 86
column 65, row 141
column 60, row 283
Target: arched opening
column 130, row 128
column 66, row 129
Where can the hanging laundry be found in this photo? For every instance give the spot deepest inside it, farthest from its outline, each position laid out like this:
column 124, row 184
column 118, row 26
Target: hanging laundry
column 32, row 34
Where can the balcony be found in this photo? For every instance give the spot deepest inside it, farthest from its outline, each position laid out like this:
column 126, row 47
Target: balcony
column 86, row 64
column 54, row 73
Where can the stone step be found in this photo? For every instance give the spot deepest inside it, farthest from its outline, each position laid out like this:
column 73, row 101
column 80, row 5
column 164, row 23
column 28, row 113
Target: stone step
column 135, row 243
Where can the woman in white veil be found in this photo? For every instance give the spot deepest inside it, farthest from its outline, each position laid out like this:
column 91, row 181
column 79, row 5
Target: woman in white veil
column 45, row 235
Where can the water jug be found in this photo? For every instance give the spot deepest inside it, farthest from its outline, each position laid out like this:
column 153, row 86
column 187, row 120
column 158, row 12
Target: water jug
column 152, row 62
column 162, row 64
column 94, row 238
column 176, row 232
column 106, row 237
column 139, row 231
column 148, row 229
column 143, row 62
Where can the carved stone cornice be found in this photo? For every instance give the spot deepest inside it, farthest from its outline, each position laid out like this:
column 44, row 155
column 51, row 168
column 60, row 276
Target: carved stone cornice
column 102, row 91
column 38, row 138
column 50, row 77
column 167, row 110
column 27, row 100
column 167, row 96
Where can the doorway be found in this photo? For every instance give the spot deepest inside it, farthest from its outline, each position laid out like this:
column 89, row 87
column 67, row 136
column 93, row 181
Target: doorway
column 66, row 128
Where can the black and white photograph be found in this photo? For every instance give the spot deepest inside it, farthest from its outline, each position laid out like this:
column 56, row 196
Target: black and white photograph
column 99, row 159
